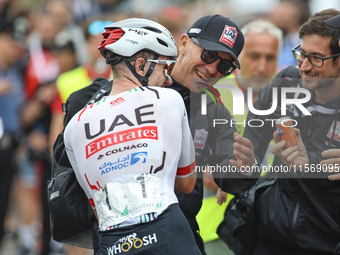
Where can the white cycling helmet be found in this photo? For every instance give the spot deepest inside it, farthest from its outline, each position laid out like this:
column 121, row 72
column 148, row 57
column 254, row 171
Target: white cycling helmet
column 127, row 37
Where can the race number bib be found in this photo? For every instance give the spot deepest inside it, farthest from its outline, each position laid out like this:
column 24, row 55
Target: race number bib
column 120, row 200
column 111, row 204
column 142, row 195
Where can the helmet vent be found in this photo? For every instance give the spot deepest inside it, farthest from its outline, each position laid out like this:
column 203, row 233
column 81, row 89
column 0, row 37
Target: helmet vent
column 162, row 42
column 153, row 29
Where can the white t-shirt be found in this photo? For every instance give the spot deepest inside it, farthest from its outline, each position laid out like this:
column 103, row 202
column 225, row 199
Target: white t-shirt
column 126, row 151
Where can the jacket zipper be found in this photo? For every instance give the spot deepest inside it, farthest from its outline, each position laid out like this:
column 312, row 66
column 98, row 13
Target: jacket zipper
column 295, row 219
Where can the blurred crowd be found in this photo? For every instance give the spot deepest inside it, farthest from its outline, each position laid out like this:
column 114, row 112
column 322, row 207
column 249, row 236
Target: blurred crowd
column 48, row 49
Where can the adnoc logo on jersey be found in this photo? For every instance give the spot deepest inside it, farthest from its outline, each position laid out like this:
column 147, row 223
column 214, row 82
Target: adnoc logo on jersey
column 138, row 157
column 123, row 162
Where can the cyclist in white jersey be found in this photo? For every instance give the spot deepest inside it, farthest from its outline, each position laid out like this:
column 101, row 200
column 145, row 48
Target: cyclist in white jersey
column 131, row 149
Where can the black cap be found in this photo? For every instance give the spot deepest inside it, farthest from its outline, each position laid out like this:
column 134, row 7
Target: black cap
column 218, row 33
column 333, row 22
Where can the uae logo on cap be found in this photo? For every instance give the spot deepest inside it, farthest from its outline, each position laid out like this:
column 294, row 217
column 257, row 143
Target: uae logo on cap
column 229, row 36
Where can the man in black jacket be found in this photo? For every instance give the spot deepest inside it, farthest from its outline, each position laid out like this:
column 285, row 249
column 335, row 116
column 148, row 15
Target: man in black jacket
column 300, row 212
column 208, row 37
column 213, row 145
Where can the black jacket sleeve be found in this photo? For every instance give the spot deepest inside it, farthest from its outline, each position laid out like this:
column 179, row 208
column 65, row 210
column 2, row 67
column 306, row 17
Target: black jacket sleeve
column 78, row 99
column 316, row 177
column 74, row 103
column 221, row 144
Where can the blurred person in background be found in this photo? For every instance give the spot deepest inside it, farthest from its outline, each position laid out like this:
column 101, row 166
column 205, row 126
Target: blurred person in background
column 65, row 53
column 81, row 76
column 173, row 17
column 63, row 18
column 258, row 60
column 41, row 72
column 289, row 15
column 84, row 10
column 11, row 100
column 51, row 53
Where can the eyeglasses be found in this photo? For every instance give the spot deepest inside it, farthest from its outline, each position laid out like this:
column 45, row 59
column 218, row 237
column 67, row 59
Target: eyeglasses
column 225, row 66
column 170, row 64
column 314, row 60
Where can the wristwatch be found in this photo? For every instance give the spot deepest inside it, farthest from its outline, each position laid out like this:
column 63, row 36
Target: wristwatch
column 250, row 173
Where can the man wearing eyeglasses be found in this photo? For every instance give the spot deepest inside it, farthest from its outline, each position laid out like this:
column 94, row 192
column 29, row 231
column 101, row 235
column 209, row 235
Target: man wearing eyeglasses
column 299, row 213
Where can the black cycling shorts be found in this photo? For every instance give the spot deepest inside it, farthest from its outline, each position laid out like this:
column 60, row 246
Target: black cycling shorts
column 169, row 234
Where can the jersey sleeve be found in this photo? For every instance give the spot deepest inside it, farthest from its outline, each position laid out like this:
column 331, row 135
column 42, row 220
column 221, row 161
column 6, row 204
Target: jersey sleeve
column 72, row 158
column 187, row 163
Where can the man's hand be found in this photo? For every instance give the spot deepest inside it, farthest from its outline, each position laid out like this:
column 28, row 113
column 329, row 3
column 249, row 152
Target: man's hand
column 243, row 152
column 221, row 196
column 332, row 164
column 292, row 156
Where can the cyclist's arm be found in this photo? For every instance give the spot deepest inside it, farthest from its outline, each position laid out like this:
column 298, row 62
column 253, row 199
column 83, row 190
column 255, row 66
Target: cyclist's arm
column 186, row 175
column 187, row 184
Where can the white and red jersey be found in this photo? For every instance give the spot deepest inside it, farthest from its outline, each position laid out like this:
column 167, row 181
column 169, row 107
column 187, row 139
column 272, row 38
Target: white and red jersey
column 126, row 151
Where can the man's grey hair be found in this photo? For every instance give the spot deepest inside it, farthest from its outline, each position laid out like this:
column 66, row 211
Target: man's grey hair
column 264, row 26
